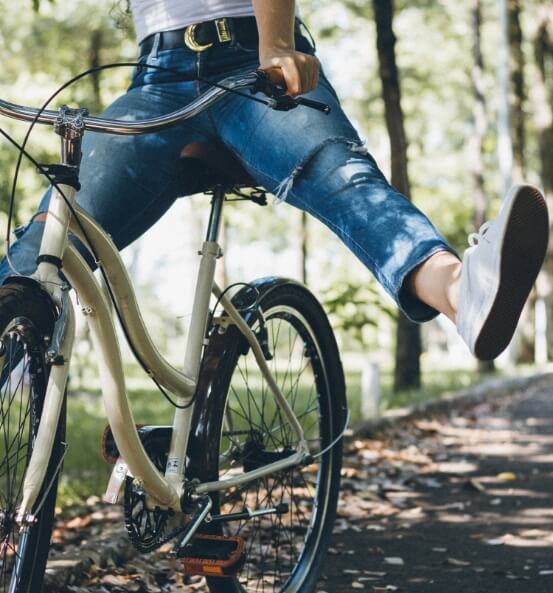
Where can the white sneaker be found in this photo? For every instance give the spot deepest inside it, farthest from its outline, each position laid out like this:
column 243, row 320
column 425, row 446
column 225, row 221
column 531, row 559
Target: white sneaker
column 498, row 272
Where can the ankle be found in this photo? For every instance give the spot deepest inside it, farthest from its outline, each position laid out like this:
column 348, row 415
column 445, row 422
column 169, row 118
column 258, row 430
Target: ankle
column 452, row 290
column 436, row 282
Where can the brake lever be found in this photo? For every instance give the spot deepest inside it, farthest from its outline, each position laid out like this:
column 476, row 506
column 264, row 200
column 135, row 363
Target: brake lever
column 323, row 107
column 279, row 100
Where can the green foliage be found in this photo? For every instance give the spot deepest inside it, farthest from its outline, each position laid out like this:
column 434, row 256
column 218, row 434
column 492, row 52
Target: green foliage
column 42, row 50
column 353, row 308
column 436, row 384
column 85, row 470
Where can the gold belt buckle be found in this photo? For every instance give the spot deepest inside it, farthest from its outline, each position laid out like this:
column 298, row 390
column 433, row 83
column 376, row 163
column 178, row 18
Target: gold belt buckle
column 223, row 33
column 190, row 39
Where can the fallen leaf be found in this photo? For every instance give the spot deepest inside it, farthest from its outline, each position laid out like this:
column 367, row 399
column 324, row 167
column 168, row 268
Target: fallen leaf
column 375, row 528
column 429, row 482
column 413, row 513
column 457, row 562
column 474, row 484
column 79, row 522
column 394, row 561
column 111, row 579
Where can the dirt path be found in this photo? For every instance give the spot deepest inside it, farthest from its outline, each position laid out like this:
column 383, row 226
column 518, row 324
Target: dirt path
column 459, row 504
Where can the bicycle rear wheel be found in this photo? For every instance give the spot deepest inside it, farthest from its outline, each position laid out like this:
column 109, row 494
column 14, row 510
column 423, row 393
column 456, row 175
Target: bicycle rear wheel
column 26, row 317
column 242, row 429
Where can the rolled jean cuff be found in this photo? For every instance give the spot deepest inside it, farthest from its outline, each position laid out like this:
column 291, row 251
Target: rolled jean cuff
column 413, row 308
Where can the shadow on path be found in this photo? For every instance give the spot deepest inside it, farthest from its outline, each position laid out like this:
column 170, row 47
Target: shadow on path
column 462, row 504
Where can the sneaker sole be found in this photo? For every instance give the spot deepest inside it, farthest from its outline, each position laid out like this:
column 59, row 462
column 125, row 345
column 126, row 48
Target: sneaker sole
column 523, row 253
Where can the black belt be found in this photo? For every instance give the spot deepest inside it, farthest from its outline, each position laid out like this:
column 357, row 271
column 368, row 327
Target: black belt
column 200, row 36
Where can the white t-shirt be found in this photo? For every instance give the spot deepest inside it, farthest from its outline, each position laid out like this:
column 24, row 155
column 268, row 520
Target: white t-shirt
column 152, row 16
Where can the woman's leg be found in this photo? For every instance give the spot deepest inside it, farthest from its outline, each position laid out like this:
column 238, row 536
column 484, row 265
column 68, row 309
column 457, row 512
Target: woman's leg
column 317, row 163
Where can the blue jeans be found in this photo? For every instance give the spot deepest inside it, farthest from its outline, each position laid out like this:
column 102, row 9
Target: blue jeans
column 315, row 162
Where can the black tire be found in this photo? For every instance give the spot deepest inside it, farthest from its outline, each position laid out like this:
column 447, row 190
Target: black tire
column 235, row 417
column 26, row 317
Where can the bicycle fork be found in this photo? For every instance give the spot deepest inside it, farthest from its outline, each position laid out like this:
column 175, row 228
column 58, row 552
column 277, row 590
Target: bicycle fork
column 70, row 127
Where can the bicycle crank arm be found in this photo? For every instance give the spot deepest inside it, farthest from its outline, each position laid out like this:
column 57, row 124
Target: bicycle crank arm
column 204, row 506
column 247, row 513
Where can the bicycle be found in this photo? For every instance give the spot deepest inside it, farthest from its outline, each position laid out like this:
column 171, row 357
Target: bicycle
column 250, row 469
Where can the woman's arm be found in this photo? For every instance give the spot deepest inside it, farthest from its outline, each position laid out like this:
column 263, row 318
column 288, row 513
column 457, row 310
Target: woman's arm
column 275, row 22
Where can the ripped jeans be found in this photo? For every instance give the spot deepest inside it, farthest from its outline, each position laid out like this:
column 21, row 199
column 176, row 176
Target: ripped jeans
column 315, row 162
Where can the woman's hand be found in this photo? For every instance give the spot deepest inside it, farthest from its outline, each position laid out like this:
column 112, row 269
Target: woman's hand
column 284, row 65
column 297, row 71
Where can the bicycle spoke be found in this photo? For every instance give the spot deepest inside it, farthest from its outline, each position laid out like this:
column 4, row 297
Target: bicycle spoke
column 255, row 432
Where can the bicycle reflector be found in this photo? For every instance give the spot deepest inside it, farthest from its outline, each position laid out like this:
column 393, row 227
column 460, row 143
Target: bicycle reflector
column 213, row 555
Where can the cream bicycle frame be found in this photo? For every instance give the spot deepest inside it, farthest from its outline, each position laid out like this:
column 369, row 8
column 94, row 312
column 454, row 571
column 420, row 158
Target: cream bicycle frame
column 165, row 491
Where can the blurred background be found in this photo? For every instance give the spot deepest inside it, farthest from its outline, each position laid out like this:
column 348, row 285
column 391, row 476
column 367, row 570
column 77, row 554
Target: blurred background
column 458, row 92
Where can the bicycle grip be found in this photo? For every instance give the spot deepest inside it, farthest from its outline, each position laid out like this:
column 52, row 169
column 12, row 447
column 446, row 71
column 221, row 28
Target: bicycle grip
column 275, row 76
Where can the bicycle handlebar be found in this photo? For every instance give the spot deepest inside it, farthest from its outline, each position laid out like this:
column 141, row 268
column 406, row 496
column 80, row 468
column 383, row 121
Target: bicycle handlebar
column 113, row 126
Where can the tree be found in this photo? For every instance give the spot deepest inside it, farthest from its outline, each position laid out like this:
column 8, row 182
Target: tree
column 42, row 51
column 524, row 341
column 504, row 140
column 479, row 119
column 543, row 102
column 479, row 130
column 408, row 339
column 304, row 245
column 517, row 91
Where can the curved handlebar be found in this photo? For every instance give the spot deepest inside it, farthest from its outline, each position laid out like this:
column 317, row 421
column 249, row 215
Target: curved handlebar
column 114, row 126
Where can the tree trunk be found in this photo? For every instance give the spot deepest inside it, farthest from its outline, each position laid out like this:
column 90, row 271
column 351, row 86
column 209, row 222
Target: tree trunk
column 524, row 340
column 94, row 61
column 479, row 120
column 304, row 239
column 517, row 93
column 408, row 346
column 504, row 142
column 476, row 141
column 543, row 102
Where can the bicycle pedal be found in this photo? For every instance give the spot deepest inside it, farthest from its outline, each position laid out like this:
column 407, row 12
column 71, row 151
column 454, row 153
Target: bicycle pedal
column 213, row 555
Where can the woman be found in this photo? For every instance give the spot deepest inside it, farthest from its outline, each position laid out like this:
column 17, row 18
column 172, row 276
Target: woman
column 128, row 183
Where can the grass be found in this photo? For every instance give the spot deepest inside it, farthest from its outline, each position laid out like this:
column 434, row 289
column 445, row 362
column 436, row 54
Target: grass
column 435, row 384
column 86, row 473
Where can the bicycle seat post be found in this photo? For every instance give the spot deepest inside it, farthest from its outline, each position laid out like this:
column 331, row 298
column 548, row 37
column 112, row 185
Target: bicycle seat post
column 217, row 200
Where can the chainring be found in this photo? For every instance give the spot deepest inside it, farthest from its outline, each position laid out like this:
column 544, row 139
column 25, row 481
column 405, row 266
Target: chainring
column 145, row 527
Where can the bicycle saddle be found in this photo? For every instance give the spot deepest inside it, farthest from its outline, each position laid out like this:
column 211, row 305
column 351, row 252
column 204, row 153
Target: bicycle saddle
column 213, row 164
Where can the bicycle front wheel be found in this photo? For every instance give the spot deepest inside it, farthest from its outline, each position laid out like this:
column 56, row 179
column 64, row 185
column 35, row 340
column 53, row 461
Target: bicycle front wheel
column 293, row 509
column 26, row 317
